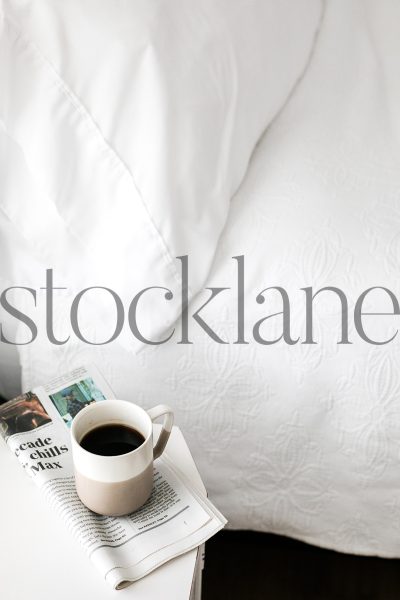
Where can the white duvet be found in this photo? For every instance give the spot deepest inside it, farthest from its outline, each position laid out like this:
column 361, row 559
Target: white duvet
column 300, row 440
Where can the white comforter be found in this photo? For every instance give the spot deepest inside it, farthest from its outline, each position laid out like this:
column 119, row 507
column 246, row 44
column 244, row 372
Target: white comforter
column 300, row 440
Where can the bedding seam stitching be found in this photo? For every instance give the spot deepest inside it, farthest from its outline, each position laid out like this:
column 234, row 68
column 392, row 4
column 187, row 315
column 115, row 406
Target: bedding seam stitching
column 107, row 149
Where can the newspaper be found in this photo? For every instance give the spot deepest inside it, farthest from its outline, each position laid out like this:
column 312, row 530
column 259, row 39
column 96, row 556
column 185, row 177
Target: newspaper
column 175, row 519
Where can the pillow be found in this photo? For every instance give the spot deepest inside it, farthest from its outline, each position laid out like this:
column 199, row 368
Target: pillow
column 137, row 121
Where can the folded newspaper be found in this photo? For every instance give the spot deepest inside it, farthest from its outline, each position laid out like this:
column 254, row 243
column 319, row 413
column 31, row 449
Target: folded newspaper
column 174, row 520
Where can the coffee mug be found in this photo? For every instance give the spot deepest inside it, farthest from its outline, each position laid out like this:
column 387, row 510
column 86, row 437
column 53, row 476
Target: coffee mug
column 113, row 453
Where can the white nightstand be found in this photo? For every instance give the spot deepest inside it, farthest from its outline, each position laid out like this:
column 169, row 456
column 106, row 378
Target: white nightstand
column 39, row 559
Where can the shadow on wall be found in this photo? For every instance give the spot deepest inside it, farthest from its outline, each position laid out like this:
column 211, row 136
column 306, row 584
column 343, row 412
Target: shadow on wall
column 10, row 372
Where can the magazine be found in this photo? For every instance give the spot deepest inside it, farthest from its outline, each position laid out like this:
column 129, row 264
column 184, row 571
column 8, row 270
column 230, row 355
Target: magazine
column 175, row 519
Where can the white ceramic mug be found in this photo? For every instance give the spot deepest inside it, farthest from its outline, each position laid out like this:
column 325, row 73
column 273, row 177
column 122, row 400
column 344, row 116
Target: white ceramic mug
column 117, row 485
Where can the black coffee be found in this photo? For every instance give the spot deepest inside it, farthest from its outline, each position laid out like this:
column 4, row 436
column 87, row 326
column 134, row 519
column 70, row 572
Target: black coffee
column 112, row 440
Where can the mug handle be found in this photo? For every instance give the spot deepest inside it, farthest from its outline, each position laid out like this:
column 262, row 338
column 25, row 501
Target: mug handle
column 154, row 413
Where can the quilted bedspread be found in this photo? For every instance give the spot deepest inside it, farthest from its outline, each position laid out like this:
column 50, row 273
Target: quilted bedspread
column 301, row 440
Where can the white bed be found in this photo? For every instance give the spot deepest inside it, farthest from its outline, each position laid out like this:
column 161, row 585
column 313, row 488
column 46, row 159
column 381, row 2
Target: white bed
column 300, row 440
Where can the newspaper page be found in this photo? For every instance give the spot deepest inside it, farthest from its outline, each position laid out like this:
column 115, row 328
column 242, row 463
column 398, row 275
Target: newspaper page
column 175, row 519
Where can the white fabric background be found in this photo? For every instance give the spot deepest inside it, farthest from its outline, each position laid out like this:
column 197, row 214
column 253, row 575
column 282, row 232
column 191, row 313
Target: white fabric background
column 305, row 440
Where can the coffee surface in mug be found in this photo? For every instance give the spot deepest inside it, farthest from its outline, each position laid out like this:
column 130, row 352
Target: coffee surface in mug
column 112, row 440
